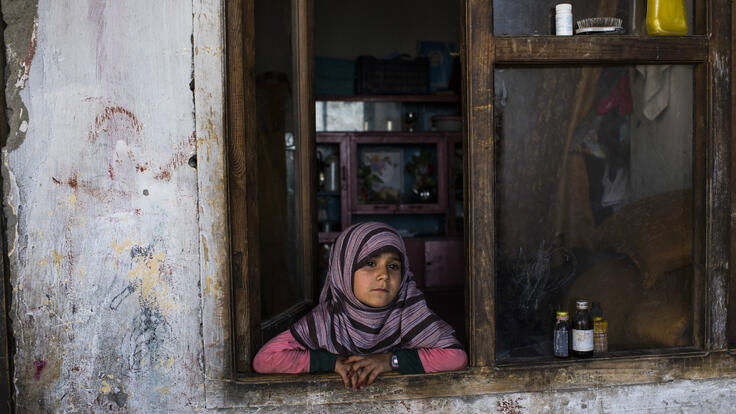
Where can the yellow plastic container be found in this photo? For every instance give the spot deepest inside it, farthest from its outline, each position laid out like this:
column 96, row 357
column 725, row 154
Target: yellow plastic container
column 666, row 17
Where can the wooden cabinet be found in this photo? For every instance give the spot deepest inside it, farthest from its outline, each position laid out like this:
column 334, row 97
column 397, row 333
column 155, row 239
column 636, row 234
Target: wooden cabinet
column 407, row 179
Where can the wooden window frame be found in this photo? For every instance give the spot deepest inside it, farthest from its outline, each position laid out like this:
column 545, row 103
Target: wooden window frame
column 480, row 52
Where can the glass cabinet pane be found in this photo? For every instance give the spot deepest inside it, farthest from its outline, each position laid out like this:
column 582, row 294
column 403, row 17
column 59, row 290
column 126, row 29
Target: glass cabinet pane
column 397, row 174
column 329, row 196
column 533, row 17
column 595, row 203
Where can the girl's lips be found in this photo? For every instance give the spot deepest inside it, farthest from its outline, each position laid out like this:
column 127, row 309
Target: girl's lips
column 381, row 290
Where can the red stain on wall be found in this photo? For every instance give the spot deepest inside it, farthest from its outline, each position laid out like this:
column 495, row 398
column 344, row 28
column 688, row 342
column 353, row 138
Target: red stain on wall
column 116, row 120
column 72, row 181
column 31, row 53
column 509, row 407
column 163, row 175
column 180, row 158
column 110, row 171
column 40, row 365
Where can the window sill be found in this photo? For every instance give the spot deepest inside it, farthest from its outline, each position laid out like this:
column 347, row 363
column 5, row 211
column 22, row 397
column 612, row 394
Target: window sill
column 304, row 389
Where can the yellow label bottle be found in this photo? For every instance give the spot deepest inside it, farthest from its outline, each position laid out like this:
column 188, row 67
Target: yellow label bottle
column 666, row 17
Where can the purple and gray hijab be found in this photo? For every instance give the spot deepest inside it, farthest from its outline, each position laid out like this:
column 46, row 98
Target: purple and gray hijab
column 343, row 325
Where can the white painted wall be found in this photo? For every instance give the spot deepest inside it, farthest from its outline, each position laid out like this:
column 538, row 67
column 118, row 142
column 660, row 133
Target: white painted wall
column 105, row 264
column 117, row 246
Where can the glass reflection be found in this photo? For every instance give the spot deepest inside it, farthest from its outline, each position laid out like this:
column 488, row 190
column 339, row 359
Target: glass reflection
column 594, row 201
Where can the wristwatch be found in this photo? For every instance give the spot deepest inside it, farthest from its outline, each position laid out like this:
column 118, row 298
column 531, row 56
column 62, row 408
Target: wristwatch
column 394, row 362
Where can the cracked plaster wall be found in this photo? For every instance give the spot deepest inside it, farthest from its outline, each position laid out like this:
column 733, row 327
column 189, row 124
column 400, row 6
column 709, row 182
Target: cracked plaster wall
column 105, row 231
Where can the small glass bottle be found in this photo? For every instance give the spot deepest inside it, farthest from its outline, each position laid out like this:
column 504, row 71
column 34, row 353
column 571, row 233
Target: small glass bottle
column 582, row 331
column 600, row 334
column 561, row 338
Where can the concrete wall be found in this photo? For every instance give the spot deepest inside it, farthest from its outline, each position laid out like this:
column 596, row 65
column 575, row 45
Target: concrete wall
column 117, row 245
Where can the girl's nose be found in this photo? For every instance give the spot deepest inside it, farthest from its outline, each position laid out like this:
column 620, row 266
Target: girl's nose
column 382, row 273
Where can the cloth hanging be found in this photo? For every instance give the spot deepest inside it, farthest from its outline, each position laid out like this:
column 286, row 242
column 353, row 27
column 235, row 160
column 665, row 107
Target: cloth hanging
column 656, row 94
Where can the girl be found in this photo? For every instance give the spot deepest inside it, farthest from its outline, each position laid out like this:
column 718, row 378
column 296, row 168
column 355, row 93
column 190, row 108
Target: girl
column 371, row 318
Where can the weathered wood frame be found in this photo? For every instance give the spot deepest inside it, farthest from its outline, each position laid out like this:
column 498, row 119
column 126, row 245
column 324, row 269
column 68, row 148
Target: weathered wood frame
column 711, row 52
column 243, row 173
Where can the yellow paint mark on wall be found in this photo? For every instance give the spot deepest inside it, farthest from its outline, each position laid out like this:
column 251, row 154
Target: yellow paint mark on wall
column 43, row 262
column 152, row 289
column 106, row 388
column 120, row 248
column 57, row 258
column 213, row 286
column 163, row 390
column 169, row 363
column 51, row 213
column 206, row 250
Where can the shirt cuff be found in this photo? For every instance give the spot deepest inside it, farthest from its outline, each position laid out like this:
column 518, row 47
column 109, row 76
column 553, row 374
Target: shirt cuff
column 321, row 361
column 409, row 362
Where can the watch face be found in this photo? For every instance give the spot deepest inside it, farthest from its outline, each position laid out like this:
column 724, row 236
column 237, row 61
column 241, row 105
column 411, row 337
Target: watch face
column 394, row 361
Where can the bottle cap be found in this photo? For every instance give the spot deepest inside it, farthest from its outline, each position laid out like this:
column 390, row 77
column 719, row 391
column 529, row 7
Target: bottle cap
column 562, row 315
column 597, row 318
column 563, row 7
column 582, row 304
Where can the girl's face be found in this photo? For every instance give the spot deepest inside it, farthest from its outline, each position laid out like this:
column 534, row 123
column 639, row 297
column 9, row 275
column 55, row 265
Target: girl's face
column 377, row 282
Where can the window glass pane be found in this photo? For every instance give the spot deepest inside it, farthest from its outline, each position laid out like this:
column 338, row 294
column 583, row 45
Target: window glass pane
column 282, row 285
column 534, row 17
column 594, row 195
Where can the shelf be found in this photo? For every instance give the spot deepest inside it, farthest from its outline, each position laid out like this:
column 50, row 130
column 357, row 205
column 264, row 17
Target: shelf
column 600, row 49
column 449, row 98
column 324, row 136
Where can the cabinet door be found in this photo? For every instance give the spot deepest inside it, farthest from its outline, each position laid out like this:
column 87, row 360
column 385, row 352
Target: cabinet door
column 398, row 173
column 444, row 263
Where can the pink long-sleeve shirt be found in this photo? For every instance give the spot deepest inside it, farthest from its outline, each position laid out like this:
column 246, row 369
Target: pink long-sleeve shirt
column 283, row 354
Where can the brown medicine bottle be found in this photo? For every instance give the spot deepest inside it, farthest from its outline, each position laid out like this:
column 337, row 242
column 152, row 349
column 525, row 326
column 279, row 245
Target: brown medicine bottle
column 582, row 330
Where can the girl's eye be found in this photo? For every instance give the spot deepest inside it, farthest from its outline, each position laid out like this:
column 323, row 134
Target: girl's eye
column 370, row 263
column 394, row 266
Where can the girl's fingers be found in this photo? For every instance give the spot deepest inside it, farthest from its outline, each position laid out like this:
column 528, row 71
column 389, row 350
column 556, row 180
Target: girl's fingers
column 352, row 359
column 372, row 377
column 354, row 382
column 345, row 379
column 364, row 376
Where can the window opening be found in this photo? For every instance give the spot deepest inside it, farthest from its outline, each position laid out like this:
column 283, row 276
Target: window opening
column 388, row 115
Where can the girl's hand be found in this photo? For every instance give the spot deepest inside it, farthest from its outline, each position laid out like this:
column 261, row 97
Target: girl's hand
column 343, row 370
column 366, row 368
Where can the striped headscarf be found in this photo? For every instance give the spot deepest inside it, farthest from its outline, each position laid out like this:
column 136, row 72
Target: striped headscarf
column 341, row 324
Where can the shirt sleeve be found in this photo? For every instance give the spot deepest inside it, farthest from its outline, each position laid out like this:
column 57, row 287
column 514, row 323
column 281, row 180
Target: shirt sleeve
column 282, row 355
column 442, row 359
